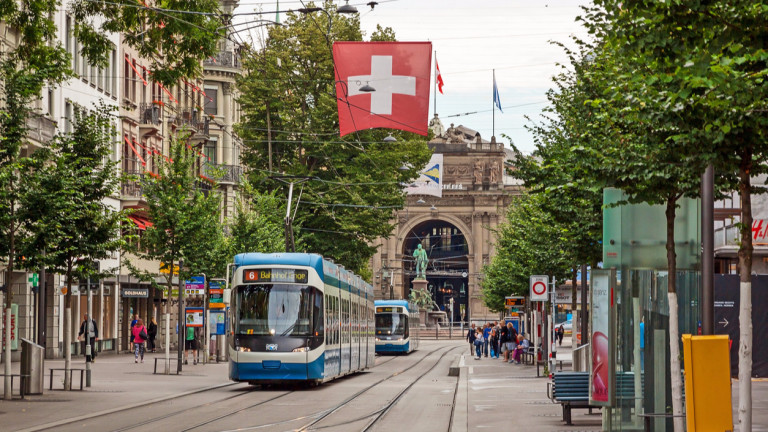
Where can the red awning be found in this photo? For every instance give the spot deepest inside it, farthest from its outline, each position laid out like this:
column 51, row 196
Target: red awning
column 140, row 222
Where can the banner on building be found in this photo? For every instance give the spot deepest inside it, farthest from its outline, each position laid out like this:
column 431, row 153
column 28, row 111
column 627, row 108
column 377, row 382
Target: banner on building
column 430, row 181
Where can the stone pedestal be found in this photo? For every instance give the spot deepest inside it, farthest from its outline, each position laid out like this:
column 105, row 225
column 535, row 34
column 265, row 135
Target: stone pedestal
column 420, row 284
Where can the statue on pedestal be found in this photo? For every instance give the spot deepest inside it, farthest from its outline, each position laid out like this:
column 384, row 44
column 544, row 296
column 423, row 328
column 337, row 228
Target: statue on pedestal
column 421, row 262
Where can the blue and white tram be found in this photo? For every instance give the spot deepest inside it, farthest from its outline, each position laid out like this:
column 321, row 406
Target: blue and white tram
column 397, row 326
column 298, row 317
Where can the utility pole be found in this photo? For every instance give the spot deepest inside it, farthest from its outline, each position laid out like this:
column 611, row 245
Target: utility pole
column 181, row 321
column 289, row 243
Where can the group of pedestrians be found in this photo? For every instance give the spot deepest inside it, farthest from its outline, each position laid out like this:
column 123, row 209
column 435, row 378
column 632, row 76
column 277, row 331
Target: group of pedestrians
column 497, row 341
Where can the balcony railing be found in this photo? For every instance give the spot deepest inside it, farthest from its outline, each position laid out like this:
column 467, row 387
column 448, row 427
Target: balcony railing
column 132, row 188
column 228, row 173
column 150, row 113
column 223, row 59
column 40, row 129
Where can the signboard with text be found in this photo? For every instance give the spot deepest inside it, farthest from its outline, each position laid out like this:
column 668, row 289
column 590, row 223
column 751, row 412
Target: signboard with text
column 216, row 294
column 217, row 322
column 514, row 301
column 193, row 316
column 14, row 326
column 194, row 286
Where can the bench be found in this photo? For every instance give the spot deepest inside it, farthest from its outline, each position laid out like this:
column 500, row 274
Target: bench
column 71, row 371
column 170, row 359
column 22, row 381
column 571, row 390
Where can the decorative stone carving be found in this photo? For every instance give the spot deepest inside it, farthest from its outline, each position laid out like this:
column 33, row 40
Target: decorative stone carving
column 478, row 171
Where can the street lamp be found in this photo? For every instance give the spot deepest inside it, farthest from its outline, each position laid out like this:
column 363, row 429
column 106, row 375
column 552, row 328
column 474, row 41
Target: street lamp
column 347, row 9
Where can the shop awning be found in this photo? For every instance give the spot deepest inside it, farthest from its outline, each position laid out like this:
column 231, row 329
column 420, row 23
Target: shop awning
column 140, row 222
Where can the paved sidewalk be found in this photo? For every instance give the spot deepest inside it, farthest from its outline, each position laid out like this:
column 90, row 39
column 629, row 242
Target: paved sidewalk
column 117, row 383
column 494, row 395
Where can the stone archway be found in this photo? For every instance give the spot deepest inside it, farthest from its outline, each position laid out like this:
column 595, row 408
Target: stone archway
column 449, row 253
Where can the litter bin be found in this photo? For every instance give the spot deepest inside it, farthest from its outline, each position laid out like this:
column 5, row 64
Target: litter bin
column 32, row 356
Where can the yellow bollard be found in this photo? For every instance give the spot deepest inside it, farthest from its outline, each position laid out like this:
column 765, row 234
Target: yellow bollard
column 708, row 403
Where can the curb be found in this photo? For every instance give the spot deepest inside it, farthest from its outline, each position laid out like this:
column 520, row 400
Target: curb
column 459, row 422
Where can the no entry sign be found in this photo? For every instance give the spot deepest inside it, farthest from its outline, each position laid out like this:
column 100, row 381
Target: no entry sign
column 539, row 288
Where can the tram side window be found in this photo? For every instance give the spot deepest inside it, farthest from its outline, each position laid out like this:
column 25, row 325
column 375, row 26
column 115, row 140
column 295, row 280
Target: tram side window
column 318, row 315
column 406, row 329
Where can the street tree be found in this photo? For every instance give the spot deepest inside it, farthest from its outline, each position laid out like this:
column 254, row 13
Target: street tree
column 529, row 242
column 553, row 170
column 257, row 225
column 703, row 67
column 72, row 220
column 25, row 69
column 290, row 127
column 184, row 209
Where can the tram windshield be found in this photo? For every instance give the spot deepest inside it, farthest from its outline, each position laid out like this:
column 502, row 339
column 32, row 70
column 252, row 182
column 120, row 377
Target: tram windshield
column 277, row 309
column 391, row 324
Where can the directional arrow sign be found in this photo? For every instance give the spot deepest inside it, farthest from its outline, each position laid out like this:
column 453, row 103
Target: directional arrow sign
column 724, row 322
column 539, row 288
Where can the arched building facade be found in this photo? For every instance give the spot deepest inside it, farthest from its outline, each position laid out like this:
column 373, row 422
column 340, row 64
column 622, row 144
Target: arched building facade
column 457, row 230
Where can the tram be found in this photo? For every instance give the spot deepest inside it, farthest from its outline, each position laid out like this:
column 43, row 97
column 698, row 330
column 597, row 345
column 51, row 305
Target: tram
column 397, row 326
column 298, row 317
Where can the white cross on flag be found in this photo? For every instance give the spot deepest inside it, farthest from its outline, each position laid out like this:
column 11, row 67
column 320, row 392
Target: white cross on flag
column 398, row 72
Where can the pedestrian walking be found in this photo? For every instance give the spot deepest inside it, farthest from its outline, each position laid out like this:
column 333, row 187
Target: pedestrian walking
column 471, row 339
column 152, row 333
column 479, row 342
column 91, row 338
column 504, row 340
column 560, row 334
column 190, row 344
column 133, row 324
column 495, row 342
column 486, row 338
column 139, row 333
column 512, row 344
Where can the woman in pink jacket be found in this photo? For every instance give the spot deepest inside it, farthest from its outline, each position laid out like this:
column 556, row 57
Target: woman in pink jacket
column 139, row 336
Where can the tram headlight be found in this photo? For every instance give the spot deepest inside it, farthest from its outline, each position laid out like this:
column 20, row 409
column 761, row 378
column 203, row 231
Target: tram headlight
column 243, row 349
column 301, row 349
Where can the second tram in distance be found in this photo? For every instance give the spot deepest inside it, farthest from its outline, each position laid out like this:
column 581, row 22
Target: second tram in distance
column 298, row 317
column 397, row 326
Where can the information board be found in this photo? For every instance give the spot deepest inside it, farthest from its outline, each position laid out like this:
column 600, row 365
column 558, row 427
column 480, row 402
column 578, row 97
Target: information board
column 602, row 374
column 217, row 322
column 193, row 316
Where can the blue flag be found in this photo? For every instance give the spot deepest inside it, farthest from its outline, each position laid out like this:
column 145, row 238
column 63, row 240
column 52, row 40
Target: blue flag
column 496, row 98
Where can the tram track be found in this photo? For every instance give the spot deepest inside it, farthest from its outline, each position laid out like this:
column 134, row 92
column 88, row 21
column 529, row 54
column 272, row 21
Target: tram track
column 321, row 415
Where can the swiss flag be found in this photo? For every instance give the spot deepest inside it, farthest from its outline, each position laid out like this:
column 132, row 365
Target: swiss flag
column 398, row 72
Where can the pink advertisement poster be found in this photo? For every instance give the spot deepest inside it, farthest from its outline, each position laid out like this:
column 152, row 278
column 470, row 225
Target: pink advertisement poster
column 601, row 342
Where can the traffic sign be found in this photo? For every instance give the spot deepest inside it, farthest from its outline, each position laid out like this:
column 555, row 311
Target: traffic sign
column 539, row 288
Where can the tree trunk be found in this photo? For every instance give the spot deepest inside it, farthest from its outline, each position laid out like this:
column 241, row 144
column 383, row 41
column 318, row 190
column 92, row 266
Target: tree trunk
column 745, row 299
column 674, row 330
column 68, row 330
column 8, row 391
column 574, row 303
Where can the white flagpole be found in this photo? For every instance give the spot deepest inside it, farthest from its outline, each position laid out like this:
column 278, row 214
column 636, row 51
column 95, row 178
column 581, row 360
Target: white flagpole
column 493, row 102
column 434, row 105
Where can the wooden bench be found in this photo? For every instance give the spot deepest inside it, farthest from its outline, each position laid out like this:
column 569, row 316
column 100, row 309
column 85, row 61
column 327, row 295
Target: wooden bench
column 571, row 390
column 71, row 371
column 22, row 381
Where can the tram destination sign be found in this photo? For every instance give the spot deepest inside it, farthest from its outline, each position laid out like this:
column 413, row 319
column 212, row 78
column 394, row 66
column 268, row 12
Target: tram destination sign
column 275, row 275
column 514, row 301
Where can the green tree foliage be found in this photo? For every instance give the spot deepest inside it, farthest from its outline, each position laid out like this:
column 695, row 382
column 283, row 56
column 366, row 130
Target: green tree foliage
column 174, row 35
column 289, row 104
column 70, row 218
column 184, row 209
column 530, row 242
column 257, row 227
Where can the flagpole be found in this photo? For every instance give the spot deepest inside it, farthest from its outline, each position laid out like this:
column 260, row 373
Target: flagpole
column 493, row 102
column 434, row 105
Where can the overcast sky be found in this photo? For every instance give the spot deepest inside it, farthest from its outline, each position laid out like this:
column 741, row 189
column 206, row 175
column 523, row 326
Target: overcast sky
column 472, row 38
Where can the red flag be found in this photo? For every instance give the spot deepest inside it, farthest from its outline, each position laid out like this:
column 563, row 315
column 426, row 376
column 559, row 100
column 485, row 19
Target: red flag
column 398, row 72
column 439, row 78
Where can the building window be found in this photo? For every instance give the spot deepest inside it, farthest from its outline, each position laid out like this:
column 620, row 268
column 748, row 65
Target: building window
column 113, row 66
column 212, row 101
column 127, row 78
column 68, row 117
column 210, row 150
